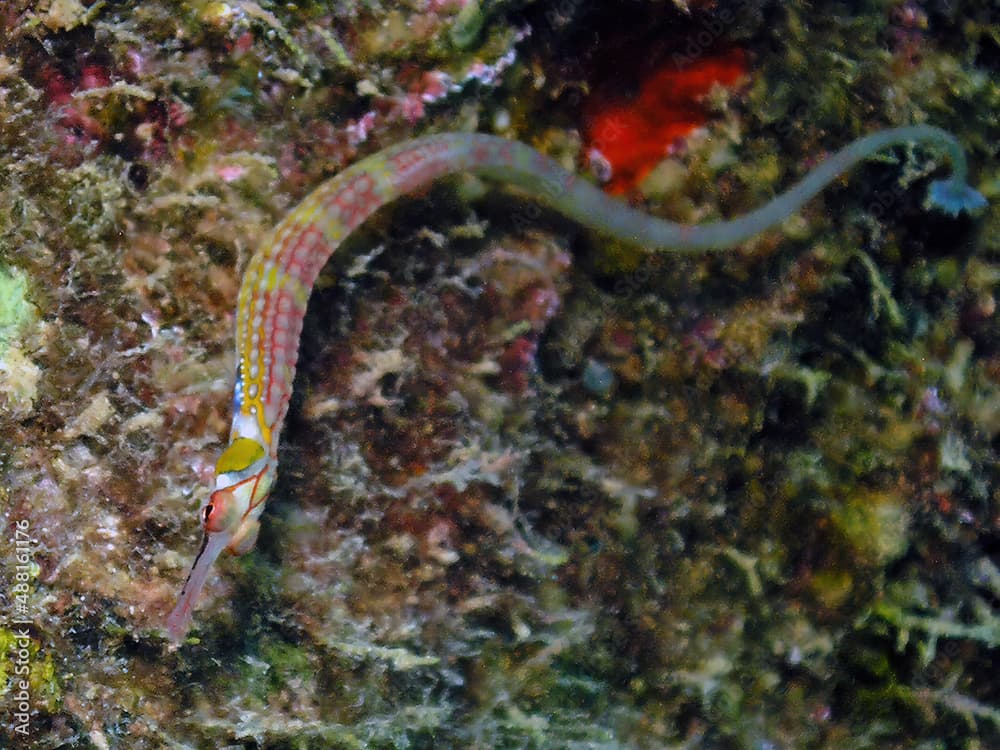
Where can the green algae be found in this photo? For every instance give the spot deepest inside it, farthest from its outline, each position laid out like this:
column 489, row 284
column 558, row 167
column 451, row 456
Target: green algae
column 18, row 374
column 42, row 676
column 467, row 25
column 16, row 310
column 876, row 525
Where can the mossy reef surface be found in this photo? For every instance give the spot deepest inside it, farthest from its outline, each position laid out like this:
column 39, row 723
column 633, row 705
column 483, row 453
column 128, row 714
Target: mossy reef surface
column 538, row 489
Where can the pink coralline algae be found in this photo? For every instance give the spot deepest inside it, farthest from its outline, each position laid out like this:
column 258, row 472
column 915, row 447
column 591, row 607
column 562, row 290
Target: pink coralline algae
column 76, row 115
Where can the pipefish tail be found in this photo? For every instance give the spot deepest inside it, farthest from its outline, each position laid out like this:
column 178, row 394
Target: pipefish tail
column 280, row 277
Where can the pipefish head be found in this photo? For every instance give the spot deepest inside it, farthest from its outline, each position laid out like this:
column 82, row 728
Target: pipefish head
column 230, row 519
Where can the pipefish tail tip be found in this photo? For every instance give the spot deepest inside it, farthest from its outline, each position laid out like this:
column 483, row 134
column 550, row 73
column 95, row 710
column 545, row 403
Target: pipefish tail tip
column 952, row 196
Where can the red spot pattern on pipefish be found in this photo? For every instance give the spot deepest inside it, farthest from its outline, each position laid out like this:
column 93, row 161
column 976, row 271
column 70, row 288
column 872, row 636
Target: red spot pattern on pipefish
column 281, row 275
column 279, row 280
column 482, row 153
column 406, row 160
column 504, row 152
column 355, row 201
column 283, row 326
column 304, row 257
column 413, row 168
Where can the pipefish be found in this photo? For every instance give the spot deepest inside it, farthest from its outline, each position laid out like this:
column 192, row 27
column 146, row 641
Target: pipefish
column 280, row 276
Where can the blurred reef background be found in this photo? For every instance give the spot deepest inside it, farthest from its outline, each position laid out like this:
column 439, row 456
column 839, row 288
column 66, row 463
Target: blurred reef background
column 538, row 490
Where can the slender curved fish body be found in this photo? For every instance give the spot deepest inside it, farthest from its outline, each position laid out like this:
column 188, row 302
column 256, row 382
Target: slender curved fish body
column 280, row 277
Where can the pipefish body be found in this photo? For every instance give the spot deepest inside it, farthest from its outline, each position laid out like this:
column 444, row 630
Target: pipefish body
column 280, row 277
